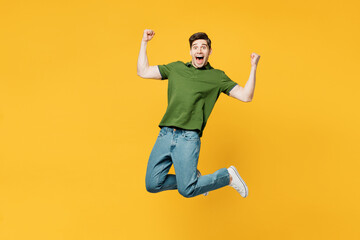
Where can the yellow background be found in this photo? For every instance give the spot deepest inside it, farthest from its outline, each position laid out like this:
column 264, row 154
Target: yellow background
column 77, row 124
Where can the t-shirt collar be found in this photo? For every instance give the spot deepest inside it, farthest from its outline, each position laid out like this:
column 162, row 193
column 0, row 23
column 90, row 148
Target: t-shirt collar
column 206, row 67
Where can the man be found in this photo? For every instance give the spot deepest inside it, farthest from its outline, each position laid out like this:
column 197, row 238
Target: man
column 193, row 89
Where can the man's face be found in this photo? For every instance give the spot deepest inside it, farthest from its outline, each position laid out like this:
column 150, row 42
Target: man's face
column 200, row 53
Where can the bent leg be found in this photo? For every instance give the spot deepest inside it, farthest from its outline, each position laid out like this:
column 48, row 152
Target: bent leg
column 185, row 158
column 157, row 178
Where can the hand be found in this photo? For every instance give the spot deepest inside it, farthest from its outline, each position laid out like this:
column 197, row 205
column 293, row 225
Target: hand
column 148, row 35
column 254, row 59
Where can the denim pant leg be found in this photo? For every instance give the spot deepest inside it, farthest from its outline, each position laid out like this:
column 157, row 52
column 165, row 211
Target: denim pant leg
column 185, row 157
column 157, row 178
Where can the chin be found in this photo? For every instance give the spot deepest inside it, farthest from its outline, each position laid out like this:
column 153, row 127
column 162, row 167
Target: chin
column 202, row 65
column 199, row 66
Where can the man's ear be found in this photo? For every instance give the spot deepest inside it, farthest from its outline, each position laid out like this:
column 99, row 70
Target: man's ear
column 210, row 51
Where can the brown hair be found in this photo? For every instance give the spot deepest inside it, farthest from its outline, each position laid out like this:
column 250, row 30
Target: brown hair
column 200, row 35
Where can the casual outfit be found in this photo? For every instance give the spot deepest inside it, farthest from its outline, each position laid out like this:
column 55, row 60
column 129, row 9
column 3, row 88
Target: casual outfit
column 192, row 94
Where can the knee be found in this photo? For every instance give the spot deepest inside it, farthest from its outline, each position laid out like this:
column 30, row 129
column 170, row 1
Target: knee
column 151, row 186
column 187, row 192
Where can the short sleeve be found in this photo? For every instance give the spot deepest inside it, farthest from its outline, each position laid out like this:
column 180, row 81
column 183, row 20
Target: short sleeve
column 166, row 69
column 226, row 84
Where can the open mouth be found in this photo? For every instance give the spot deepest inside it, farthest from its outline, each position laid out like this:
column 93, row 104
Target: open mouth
column 199, row 60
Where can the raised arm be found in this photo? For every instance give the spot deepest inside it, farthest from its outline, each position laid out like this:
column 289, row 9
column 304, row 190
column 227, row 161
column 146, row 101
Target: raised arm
column 246, row 93
column 143, row 68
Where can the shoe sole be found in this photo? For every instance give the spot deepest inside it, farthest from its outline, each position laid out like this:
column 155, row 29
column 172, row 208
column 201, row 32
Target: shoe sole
column 237, row 174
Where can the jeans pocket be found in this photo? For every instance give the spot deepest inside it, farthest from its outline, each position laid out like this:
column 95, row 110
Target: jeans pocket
column 191, row 136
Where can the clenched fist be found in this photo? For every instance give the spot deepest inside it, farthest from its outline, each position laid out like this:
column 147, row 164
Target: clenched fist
column 148, row 35
column 254, row 59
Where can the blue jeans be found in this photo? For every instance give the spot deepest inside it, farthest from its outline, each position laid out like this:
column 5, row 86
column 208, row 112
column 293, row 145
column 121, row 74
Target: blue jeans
column 181, row 148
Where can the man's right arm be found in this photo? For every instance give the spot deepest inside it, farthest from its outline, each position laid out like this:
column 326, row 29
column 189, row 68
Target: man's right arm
column 143, row 68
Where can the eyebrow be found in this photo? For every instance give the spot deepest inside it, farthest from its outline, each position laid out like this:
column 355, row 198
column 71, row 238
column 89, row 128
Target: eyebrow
column 203, row 44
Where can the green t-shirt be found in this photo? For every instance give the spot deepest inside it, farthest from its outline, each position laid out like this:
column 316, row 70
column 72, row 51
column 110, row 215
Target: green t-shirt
column 192, row 94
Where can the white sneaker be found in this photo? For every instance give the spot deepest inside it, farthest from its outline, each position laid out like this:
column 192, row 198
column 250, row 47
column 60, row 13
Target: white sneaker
column 237, row 182
column 199, row 175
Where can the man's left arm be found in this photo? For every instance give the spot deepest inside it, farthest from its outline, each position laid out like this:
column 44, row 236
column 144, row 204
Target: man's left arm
column 246, row 93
